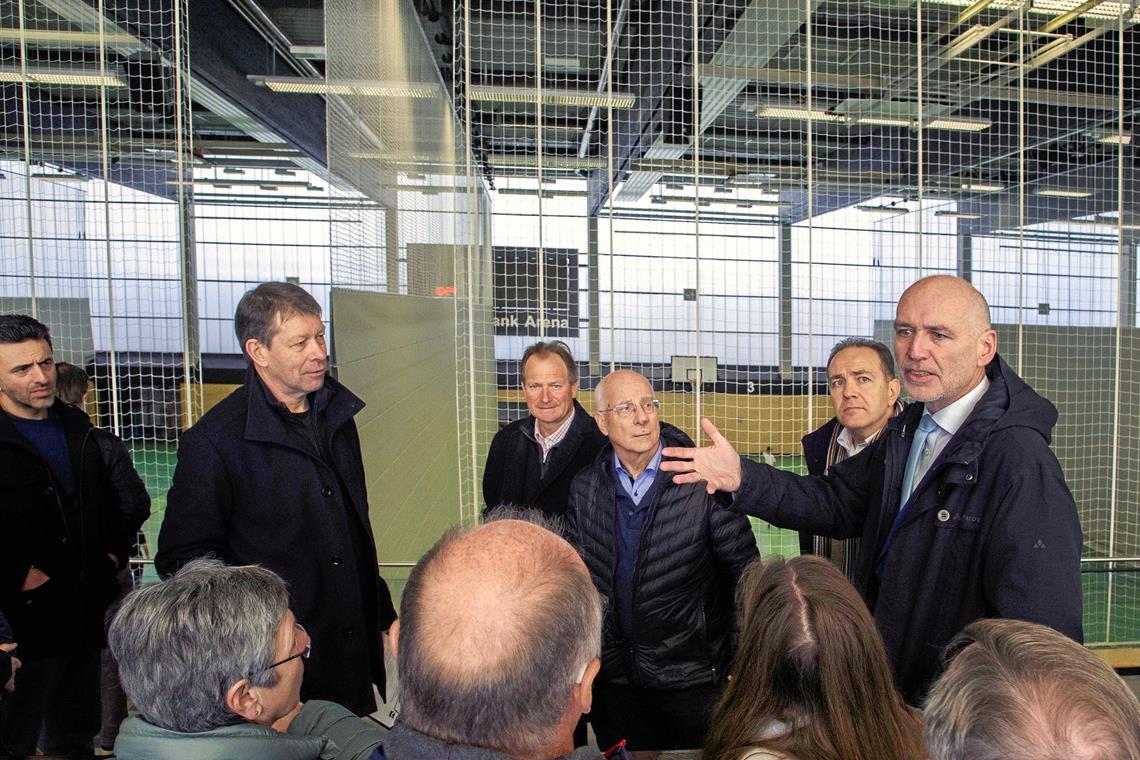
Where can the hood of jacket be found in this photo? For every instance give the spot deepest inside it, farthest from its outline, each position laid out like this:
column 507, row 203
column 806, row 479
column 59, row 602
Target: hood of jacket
column 1009, row 403
column 140, row 740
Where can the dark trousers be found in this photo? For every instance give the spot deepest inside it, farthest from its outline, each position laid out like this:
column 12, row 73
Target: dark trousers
column 55, row 706
column 652, row 719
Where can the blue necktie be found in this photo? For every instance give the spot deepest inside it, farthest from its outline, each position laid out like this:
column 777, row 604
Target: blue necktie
column 921, row 455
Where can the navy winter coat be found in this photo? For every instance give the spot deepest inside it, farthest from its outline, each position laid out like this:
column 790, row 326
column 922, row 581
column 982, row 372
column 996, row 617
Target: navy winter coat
column 991, row 531
column 513, row 475
column 245, row 492
column 690, row 558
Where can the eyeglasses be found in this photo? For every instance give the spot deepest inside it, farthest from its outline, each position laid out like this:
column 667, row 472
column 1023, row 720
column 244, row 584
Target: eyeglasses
column 626, row 408
column 303, row 654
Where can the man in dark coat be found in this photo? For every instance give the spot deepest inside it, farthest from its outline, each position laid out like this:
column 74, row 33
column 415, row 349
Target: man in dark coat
column 533, row 460
column 864, row 388
column 61, row 544
column 668, row 558
column 273, row 475
column 962, row 507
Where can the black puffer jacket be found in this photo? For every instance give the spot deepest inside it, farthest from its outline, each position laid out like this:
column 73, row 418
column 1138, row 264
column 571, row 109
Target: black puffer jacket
column 691, row 555
column 991, row 530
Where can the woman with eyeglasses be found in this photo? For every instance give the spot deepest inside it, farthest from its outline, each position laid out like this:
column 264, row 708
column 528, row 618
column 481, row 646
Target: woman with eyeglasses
column 811, row 679
column 212, row 659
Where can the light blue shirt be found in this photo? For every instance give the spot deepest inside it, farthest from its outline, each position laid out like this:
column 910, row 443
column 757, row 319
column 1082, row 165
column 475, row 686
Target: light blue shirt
column 637, row 487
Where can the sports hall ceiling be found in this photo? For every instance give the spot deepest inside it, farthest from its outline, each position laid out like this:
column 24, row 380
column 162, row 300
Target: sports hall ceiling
column 752, row 128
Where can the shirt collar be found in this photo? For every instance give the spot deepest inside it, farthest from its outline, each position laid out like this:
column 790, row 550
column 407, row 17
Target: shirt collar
column 952, row 417
column 844, row 439
column 650, row 469
column 549, row 441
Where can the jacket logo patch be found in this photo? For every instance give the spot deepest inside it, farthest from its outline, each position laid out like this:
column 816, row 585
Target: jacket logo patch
column 1039, row 545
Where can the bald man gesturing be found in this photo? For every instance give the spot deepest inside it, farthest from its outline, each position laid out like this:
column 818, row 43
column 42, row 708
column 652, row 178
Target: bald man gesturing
column 960, row 503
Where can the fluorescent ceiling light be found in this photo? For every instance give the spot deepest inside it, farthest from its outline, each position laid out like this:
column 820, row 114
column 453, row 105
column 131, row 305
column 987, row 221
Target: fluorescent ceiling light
column 982, row 187
column 362, row 87
column 548, row 162
column 957, row 214
column 885, row 121
column 792, row 112
column 60, row 177
column 884, row 210
column 546, row 193
column 552, row 96
column 690, row 200
column 1114, row 138
column 227, row 182
column 62, row 77
column 960, row 125
column 1057, row 193
column 70, row 38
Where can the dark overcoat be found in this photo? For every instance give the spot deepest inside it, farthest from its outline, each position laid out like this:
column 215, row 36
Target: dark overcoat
column 245, row 492
column 513, row 475
column 990, row 531
column 68, row 540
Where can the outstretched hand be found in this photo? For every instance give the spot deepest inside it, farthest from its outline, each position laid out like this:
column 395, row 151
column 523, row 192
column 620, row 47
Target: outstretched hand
column 718, row 465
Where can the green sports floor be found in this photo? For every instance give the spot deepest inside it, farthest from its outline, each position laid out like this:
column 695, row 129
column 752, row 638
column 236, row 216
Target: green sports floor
column 1112, row 601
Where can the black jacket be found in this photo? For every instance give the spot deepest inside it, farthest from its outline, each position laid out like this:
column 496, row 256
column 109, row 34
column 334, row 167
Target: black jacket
column 67, row 539
column 690, row 557
column 245, row 492
column 991, row 530
column 6, row 637
column 513, row 472
column 131, row 496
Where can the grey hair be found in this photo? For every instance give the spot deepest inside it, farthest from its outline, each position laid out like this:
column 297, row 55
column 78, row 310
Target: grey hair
column 884, row 353
column 259, row 310
column 547, row 649
column 1022, row 691
column 182, row 643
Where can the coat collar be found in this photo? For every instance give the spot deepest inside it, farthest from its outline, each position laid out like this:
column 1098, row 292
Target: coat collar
column 337, row 403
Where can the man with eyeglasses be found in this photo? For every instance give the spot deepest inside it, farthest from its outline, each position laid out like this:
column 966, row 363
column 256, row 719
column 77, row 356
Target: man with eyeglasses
column 667, row 557
column 213, row 660
column 532, row 460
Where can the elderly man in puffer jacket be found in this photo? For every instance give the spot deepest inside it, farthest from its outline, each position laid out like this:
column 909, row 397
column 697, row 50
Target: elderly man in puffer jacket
column 667, row 558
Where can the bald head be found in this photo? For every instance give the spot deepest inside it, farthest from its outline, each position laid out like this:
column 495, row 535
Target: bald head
column 943, row 340
column 503, row 615
column 953, row 293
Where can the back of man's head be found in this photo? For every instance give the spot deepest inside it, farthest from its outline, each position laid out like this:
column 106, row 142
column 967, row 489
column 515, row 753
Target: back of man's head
column 71, row 383
column 1021, row 691
column 181, row 644
column 498, row 626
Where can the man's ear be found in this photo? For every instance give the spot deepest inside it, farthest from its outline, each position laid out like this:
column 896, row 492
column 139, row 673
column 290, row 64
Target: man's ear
column 601, row 420
column 893, row 389
column 988, row 341
column 394, row 636
column 243, row 700
column 583, row 693
column 255, row 350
